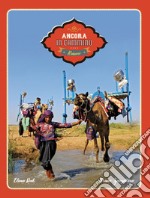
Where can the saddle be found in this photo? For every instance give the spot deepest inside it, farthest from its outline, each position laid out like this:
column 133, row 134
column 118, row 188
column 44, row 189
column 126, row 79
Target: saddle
column 112, row 106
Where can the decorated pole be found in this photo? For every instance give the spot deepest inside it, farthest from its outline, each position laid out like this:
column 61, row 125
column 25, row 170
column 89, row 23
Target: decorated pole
column 22, row 96
column 65, row 111
column 50, row 103
column 122, row 82
column 129, row 119
column 69, row 94
column 20, row 103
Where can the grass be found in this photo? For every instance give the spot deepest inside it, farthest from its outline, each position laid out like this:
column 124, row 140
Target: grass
column 11, row 150
column 75, row 131
column 80, row 130
column 122, row 136
column 123, row 126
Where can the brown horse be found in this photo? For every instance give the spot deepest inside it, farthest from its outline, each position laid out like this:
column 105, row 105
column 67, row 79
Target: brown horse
column 97, row 117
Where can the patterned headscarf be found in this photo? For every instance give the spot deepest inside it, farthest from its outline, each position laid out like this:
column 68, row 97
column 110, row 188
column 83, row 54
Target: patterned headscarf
column 46, row 113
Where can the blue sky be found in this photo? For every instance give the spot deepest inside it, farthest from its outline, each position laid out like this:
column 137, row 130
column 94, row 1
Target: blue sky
column 33, row 69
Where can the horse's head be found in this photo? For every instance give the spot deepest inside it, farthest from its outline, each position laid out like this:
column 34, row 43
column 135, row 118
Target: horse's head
column 81, row 100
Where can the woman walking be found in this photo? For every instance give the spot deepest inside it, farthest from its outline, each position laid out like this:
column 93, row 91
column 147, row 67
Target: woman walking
column 45, row 139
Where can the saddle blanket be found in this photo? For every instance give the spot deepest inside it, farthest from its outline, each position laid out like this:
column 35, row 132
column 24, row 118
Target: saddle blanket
column 119, row 103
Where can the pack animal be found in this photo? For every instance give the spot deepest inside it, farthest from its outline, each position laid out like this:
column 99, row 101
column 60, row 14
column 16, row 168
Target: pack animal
column 97, row 118
column 29, row 117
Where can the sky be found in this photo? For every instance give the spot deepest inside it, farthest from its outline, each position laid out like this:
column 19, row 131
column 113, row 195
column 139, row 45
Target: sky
column 33, row 69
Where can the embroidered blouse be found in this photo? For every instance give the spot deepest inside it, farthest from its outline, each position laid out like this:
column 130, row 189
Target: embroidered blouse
column 47, row 131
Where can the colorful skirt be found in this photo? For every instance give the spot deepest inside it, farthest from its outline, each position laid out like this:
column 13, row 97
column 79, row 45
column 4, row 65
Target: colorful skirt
column 47, row 152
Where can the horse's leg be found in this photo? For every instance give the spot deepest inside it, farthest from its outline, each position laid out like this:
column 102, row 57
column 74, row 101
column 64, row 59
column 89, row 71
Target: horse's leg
column 107, row 145
column 96, row 149
column 86, row 143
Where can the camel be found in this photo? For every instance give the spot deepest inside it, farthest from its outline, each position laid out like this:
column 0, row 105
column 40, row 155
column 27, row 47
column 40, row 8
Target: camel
column 97, row 118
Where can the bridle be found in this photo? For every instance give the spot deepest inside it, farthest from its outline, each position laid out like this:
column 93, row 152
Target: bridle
column 84, row 107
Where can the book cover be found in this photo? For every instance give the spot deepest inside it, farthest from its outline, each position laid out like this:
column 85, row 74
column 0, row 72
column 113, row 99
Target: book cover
column 84, row 62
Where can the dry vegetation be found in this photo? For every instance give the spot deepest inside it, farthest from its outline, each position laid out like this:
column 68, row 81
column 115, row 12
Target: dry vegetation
column 122, row 136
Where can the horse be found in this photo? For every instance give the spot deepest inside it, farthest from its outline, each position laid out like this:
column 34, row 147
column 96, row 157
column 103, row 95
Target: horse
column 96, row 117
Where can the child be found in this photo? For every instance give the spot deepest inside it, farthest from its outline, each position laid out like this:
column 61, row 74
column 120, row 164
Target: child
column 45, row 131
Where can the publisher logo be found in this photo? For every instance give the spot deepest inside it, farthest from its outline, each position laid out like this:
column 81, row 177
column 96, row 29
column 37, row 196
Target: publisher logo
column 118, row 179
column 74, row 42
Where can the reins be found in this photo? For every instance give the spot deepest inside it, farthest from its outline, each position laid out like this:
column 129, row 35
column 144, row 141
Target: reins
column 85, row 110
